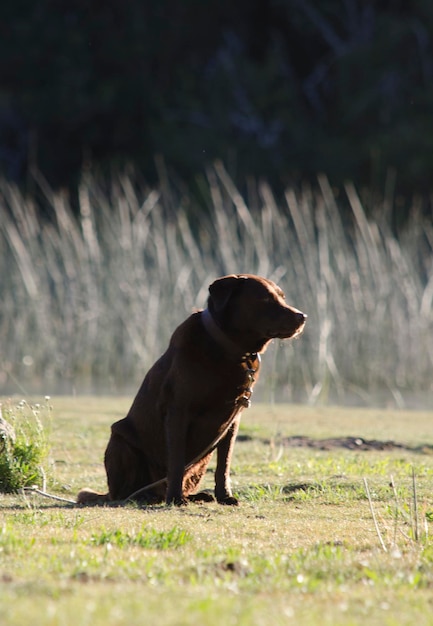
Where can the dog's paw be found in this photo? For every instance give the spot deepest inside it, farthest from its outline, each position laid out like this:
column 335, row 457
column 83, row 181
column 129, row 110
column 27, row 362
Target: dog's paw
column 176, row 501
column 228, row 501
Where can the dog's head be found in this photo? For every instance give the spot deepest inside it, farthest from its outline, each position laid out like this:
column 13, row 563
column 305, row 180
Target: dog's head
column 252, row 310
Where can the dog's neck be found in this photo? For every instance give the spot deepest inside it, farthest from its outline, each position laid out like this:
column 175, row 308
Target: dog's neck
column 223, row 340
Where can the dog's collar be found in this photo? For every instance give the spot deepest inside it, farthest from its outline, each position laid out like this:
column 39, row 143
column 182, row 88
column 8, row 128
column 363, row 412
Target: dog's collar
column 218, row 335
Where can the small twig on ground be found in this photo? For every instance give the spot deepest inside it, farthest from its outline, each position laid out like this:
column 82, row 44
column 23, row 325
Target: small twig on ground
column 47, row 495
column 376, row 525
column 397, row 508
column 415, row 506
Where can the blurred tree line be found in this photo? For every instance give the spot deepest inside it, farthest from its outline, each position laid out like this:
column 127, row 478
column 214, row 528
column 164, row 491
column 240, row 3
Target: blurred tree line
column 281, row 89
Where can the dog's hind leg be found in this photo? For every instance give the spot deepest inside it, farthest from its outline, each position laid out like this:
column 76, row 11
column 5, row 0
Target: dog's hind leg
column 127, row 471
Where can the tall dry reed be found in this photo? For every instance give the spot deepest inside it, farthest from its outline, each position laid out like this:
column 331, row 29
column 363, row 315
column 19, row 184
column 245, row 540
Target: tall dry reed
column 90, row 299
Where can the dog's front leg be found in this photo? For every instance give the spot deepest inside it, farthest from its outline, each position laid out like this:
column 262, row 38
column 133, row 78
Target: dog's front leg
column 223, row 490
column 175, row 432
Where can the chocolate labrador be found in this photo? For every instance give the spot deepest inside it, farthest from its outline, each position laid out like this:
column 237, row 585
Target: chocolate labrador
column 191, row 400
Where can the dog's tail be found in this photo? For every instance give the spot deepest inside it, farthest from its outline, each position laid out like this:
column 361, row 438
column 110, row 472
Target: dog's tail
column 88, row 497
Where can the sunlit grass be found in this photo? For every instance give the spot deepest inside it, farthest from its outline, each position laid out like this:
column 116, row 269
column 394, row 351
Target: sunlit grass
column 143, row 538
column 301, row 547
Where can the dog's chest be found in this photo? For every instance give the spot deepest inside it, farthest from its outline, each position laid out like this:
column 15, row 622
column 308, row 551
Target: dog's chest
column 220, row 401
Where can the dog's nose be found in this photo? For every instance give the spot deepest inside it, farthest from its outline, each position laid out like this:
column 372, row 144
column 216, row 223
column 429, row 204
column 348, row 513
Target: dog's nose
column 302, row 317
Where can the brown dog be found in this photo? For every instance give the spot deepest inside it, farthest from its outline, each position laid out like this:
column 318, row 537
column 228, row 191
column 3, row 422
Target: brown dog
column 191, row 400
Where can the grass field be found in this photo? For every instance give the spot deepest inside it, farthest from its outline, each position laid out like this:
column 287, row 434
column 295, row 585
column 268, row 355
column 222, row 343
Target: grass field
column 301, row 548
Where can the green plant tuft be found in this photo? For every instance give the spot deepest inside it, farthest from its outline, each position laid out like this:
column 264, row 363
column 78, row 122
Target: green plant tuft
column 24, row 446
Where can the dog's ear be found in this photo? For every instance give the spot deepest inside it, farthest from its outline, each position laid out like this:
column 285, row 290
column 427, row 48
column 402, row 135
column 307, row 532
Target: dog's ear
column 222, row 289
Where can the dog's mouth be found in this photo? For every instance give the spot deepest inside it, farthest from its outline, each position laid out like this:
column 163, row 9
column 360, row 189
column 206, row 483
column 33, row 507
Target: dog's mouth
column 287, row 334
column 299, row 330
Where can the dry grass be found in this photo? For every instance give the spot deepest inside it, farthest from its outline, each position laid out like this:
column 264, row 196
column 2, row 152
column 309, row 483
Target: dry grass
column 89, row 300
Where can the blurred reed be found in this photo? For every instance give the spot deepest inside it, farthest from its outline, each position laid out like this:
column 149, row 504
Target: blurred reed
column 89, row 298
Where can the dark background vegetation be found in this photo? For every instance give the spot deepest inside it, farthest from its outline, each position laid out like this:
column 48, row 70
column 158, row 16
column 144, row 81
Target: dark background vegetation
column 278, row 89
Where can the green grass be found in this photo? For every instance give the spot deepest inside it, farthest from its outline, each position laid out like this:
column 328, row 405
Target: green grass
column 144, row 538
column 23, row 445
column 301, row 547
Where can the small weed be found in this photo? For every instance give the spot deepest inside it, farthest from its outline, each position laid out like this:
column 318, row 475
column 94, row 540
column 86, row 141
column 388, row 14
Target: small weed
column 414, row 518
column 11, row 541
column 257, row 492
column 43, row 518
column 145, row 538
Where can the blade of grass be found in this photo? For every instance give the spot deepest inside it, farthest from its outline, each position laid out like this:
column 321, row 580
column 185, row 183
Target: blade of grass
column 373, row 514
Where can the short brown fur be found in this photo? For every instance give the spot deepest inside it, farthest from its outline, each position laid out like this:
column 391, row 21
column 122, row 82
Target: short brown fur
column 191, row 399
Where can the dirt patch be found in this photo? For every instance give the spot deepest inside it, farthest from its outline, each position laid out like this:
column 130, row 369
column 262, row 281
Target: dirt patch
column 348, row 443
